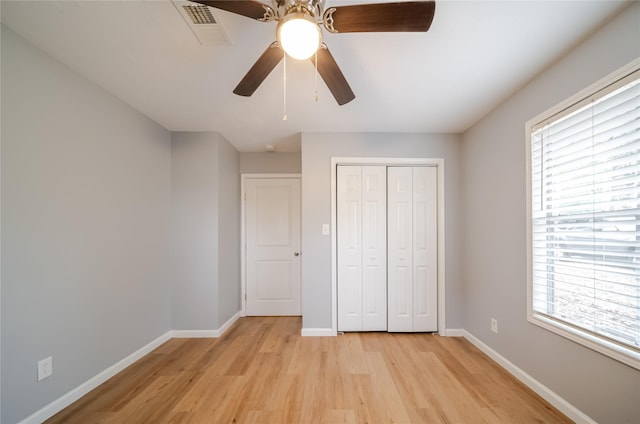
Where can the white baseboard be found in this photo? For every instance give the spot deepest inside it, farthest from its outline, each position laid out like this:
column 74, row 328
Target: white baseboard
column 546, row 393
column 454, row 332
column 317, row 332
column 75, row 394
column 227, row 325
column 196, row 334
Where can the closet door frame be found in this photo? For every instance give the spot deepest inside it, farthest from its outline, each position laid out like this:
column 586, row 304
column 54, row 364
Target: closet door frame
column 436, row 162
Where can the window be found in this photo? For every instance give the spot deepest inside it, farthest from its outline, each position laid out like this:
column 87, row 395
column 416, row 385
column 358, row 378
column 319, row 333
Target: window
column 584, row 218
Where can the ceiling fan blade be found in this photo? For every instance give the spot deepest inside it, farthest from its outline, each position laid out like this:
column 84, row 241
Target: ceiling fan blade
column 249, row 8
column 260, row 70
column 413, row 16
column 333, row 76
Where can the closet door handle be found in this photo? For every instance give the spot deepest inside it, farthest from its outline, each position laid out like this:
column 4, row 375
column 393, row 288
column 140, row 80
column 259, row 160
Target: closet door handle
column 296, row 254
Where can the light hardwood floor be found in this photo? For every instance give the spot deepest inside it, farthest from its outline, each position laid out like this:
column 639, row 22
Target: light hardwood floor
column 263, row 371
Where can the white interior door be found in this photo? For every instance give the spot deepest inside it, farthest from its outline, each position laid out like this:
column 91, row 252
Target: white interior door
column 272, row 235
column 361, row 221
column 412, row 249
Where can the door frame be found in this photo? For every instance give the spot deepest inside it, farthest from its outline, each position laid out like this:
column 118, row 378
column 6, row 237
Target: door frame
column 243, row 234
column 364, row 161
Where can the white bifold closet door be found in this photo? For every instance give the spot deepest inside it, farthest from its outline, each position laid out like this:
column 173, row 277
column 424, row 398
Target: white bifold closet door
column 412, row 249
column 362, row 244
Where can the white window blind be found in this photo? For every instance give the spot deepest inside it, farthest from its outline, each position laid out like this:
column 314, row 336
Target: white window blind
column 585, row 217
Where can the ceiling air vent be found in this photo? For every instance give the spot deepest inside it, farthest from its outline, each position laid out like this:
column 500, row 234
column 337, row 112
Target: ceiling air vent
column 199, row 15
column 203, row 23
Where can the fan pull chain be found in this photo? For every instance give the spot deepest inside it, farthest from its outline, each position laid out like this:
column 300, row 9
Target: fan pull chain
column 284, row 85
column 316, row 75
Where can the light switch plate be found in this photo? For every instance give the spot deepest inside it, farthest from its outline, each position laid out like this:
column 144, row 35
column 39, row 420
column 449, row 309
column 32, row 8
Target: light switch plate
column 325, row 229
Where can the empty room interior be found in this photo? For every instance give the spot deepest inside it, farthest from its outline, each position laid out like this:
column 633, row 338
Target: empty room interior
column 431, row 214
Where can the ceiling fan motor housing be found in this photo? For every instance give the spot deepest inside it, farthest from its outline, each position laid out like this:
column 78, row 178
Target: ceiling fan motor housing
column 311, row 7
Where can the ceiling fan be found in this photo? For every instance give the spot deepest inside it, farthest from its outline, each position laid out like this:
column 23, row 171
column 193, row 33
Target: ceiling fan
column 299, row 33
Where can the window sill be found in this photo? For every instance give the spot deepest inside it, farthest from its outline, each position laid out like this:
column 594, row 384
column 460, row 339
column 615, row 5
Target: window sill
column 622, row 354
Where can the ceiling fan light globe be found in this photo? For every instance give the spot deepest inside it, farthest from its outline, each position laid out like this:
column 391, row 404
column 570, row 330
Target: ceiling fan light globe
column 299, row 35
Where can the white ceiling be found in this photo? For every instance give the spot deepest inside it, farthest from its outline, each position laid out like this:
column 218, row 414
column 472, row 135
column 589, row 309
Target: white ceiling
column 475, row 55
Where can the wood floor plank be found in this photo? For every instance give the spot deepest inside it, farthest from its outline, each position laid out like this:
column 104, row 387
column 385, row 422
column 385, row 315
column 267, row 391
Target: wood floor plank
column 263, row 371
column 158, row 400
column 386, row 389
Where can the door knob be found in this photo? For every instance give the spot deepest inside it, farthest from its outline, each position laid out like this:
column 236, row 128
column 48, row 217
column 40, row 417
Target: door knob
column 296, row 254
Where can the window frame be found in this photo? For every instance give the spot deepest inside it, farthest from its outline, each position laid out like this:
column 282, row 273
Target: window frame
column 599, row 344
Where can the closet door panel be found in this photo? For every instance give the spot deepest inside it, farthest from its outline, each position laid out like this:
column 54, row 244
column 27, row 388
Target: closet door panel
column 349, row 233
column 387, row 248
column 425, row 275
column 400, row 246
column 374, row 244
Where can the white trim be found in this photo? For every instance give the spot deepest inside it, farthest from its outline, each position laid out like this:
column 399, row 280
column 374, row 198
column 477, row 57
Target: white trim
column 439, row 163
column 593, row 342
column 203, row 334
column 317, row 332
column 334, row 249
column 227, row 325
column 454, row 332
column 243, row 240
column 614, row 76
column 546, row 393
column 194, row 334
column 75, row 394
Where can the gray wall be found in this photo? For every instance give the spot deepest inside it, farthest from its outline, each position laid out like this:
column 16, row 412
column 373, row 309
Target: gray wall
column 206, row 228
column 194, row 158
column 85, row 228
column 228, row 231
column 495, row 276
column 317, row 151
column 270, row 163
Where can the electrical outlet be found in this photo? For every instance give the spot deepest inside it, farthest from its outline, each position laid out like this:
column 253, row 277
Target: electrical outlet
column 45, row 368
column 494, row 325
